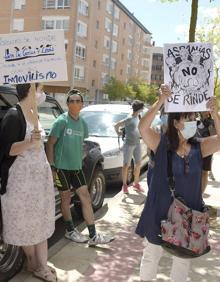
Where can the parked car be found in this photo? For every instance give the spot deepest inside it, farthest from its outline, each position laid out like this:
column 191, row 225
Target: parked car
column 100, row 120
column 11, row 257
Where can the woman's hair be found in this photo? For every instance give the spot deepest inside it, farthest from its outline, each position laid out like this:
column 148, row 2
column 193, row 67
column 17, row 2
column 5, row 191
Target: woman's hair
column 23, row 89
column 172, row 132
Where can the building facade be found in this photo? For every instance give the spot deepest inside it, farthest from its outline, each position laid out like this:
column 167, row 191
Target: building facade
column 102, row 39
column 157, row 65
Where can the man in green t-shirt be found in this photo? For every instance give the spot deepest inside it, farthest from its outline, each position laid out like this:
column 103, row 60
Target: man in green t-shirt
column 65, row 153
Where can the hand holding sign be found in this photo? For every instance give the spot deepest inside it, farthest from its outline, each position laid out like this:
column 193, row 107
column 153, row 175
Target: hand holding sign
column 165, row 92
column 212, row 105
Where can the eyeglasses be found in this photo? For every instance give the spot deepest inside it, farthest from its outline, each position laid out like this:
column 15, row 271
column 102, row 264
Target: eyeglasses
column 75, row 101
column 186, row 165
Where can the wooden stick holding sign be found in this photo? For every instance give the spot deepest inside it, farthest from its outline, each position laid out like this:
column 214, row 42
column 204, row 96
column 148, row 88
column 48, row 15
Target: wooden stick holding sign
column 34, row 106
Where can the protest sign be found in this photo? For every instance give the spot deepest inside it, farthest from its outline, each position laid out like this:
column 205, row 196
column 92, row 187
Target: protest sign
column 32, row 57
column 188, row 70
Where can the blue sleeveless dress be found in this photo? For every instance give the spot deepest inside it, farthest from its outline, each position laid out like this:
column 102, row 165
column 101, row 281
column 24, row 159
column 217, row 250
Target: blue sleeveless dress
column 188, row 187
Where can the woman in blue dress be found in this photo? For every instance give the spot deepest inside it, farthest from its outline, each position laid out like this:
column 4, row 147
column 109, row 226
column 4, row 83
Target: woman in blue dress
column 187, row 169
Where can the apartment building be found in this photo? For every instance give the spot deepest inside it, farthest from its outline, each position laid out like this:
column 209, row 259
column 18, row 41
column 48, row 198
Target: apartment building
column 157, row 67
column 102, row 39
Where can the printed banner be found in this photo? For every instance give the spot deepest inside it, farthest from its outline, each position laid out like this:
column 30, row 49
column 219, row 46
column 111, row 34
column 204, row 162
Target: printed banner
column 188, row 70
column 32, row 57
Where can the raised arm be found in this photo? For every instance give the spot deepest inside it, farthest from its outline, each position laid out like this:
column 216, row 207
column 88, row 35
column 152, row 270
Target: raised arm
column 211, row 144
column 118, row 125
column 150, row 136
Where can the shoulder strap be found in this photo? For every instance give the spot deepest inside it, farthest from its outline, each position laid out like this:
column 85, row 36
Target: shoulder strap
column 170, row 177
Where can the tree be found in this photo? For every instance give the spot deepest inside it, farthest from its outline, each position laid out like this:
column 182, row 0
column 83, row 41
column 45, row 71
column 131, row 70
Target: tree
column 115, row 89
column 193, row 18
column 143, row 91
column 209, row 32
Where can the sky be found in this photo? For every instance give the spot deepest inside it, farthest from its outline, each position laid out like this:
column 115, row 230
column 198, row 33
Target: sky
column 169, row 22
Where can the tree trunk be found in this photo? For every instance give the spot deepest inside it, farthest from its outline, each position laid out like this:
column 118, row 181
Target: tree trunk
column 193, row 20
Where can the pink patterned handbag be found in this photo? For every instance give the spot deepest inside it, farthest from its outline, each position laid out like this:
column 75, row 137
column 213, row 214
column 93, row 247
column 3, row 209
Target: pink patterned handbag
column 185, row 231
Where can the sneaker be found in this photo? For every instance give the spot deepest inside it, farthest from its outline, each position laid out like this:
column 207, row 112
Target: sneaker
column 138, row 187
column 125, row 189
column 100, row 239
column 76, row 236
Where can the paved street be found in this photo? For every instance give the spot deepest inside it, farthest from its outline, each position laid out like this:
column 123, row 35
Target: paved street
column 120, row 260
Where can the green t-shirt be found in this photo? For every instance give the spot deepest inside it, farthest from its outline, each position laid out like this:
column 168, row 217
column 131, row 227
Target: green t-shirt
column 70, row 134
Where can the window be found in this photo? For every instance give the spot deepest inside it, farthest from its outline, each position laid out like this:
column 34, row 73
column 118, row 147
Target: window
column 94, row 63
column 115, row 30
column 105, row 60
column 56, row 4
column 122, row 57
column 147, row 38
column 81, row 29
column 106, row 42
column 121, row 72
column 129, row 55
column 114, row 46
column 18, row 4
column 18, row 24
column 123, row 41
column 128, row 69
column 108, row 24
column 97, row 24
column 130, row 27
column 113, row 63
column 55, row 22
column 66, row 44
column 99, row 4
column 145, row 63
column 80, row 51
column 83, row 8
column 105, row 78
column 109, row 7
column 125, row 25
column 93, row 83
column 117, row 13
column 130, row 40
column 79, row 72
column 96, row 44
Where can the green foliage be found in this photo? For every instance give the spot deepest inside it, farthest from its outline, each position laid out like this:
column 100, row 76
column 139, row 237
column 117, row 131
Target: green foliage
column 209, row 32
column 115, row 89
column 135, row 88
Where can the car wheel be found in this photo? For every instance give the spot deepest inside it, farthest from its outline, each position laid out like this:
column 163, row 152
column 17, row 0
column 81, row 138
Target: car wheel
column 11, row 260
column 131, row 172
column 97, row 189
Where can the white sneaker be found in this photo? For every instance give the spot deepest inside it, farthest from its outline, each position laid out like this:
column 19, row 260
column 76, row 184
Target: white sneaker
column 76, row 236
column 100, row 239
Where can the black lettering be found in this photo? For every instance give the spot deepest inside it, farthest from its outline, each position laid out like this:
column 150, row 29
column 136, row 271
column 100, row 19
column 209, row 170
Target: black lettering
column 194, row 70
column 176, row 99
column 186, row 71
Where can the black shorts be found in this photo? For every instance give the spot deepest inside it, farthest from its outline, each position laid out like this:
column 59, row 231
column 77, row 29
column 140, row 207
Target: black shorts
column 207, row 163
column 69, row 179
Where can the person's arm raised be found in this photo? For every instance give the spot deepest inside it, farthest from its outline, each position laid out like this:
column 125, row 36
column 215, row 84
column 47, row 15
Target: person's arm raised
column 211, row 144
column 150, row 136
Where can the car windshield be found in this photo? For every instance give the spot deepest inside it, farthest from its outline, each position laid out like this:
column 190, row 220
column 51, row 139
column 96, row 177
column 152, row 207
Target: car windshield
column 48, row 112
column 101, row 124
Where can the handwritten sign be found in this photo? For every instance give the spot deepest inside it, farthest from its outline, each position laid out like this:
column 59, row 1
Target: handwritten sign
column 32, row 57
column 188, row 70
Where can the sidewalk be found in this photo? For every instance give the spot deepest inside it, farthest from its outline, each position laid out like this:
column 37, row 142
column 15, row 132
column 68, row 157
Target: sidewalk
column 119, row 261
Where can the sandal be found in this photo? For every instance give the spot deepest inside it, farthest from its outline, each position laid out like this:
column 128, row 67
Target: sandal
column 47, row 274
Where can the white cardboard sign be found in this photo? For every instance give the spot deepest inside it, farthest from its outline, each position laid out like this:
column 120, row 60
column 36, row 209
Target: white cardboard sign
column 188, row 70
column 32, row 57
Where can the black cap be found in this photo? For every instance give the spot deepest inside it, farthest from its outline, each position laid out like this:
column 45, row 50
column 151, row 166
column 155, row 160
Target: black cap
column 137, row 105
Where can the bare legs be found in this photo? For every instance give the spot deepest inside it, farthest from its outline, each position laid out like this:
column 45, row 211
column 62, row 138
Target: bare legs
column 36, row 255
column 137, row 170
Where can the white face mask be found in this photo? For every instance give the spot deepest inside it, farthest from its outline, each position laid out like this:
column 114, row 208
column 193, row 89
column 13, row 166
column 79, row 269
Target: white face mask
column 40, row 97
column 189, row 129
